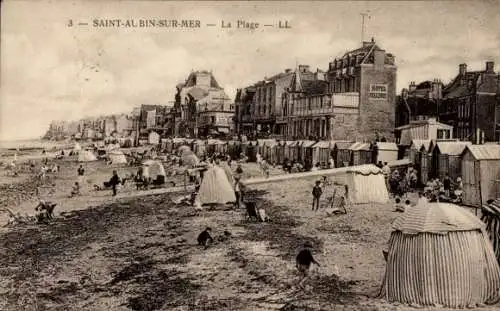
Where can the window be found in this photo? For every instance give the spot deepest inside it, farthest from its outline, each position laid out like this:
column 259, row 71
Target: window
column 309, row 103
column 231, row 107
column 443, row 134
column 212, row 119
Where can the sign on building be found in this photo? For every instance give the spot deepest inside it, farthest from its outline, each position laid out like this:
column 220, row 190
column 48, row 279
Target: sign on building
column 378, row 91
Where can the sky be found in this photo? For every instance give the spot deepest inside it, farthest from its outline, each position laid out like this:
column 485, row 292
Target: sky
column 53, row 72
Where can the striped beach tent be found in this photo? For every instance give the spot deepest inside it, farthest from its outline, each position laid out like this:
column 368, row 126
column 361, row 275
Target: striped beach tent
column 215, row 187
column 440, row 255
column 491, row 217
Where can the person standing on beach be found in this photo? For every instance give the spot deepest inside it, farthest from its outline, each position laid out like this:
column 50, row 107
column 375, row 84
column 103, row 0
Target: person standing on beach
column 316, row 192
column 114, row 181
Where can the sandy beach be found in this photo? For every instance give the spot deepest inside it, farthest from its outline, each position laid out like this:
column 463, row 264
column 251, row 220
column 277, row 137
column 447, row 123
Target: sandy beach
column 140, row 253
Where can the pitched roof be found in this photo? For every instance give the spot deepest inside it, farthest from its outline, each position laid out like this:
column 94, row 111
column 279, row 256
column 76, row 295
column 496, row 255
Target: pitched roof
column 342, row 144
column 197, row 93
column 419, row 143
column 387, row 146
column 485, row 152
column 452, row 148
column 191, row 80
column 439, row 218
column 314, row 87
column 424, row 122
column 358, row 146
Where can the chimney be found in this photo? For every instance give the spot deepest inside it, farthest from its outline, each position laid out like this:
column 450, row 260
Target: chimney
column 462, row 69
column 303, row 68
column 379, row 59
column 412, row 87
column 490, row 67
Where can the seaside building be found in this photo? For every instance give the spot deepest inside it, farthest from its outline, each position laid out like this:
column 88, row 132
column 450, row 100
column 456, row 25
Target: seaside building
column 368, row 74
column 202, row 107
column 243, row 101
column 354, row 99
column 419, row 102
column 471, row 104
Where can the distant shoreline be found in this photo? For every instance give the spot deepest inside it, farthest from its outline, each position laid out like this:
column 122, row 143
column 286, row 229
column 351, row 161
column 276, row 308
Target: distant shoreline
column 30, row 144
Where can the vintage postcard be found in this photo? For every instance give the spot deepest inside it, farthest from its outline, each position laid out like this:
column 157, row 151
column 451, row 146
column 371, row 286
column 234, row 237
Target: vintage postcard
column 249, row 155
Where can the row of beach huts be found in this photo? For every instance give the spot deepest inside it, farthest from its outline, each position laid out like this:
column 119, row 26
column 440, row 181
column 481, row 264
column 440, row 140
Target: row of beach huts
column 477, row 165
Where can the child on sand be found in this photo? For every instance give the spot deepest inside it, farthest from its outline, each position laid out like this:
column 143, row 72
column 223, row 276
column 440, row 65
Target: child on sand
column 303, row 262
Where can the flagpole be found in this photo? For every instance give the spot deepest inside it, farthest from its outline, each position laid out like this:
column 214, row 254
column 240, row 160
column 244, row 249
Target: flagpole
column 363, row 15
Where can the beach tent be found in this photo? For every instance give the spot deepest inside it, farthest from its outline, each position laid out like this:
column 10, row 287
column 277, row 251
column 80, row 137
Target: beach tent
column 491, row 217
column 228, row 172
column 480, row 173
column 366, row 184
column 215, row 187
column 152, row 169
column 117, row 157
column 440, row 254
column 86, row 156
column 77, row 148
column 387, row 152
column 153, row 138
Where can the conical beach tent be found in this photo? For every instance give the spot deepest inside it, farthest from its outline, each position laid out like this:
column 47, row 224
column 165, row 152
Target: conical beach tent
column 215, row 188
column 440, row 255
column 152, row 169
column 366, row 185
column 228, row 172
column 491, row 217
column 117, row 157
column 86, row 156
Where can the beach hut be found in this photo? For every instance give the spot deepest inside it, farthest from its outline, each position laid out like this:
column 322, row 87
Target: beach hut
column 290, row 151
column 270, row 154
column 415, row 152
column 490, row 215
column 447, row 159
column 361, row 153
column 386, row 152
column 480, row 173
column 199, row 147
column 440, row 255
column 306, row 153
column 280, row 152
column 252, row 149
column 321, row 153
column 342, row 154
column 117, row 157
column 425, row 162
column 366, row 184
column 153, row 138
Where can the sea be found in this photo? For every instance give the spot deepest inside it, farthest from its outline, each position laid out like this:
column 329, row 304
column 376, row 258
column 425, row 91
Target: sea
column 30, row 144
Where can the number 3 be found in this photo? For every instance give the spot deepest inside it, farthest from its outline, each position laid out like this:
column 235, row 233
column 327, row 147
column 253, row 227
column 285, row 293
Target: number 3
column 70, row 23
